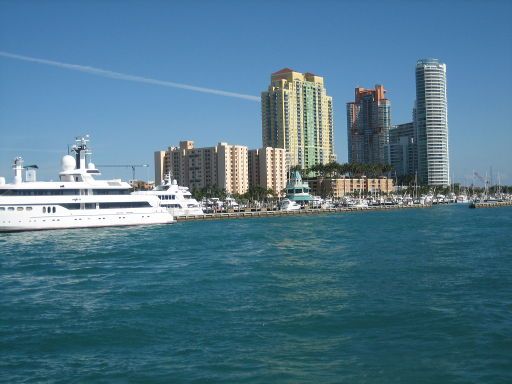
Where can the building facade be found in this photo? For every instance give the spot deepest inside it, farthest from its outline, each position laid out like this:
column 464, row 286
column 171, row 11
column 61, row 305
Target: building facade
column 297, row 115
column 402, row 151
column 224, row 166
column 267, row 169
column 368, row 124
column 431, row 123
column 232, row 168
column 339, row 187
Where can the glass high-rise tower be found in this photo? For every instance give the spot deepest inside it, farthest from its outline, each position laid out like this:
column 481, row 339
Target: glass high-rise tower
column 297, row 116
column 431, row 123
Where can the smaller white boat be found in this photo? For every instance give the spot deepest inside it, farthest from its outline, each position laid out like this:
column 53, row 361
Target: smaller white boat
column 462, row 199
column 229, row 202
column 360, row 203
column 178, row 200
column 289, row 205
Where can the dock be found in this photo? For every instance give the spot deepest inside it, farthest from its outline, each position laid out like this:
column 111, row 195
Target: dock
column 491, row 204
column 271, row 213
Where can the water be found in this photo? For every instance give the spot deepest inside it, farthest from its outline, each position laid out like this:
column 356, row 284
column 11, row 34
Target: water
column 406, row 296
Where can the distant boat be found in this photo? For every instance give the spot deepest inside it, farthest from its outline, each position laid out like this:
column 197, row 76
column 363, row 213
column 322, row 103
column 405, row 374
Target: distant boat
column 360, row 203
column 289, row 205
column 177, row 199
column 462, row 199
column 298, row 190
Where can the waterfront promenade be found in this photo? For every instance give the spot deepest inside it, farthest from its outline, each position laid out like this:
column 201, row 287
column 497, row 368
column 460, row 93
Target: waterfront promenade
column 310, row 211
column 491, row 204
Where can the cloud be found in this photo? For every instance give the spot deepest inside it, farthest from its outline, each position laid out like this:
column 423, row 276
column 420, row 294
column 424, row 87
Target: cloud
column 127, row 77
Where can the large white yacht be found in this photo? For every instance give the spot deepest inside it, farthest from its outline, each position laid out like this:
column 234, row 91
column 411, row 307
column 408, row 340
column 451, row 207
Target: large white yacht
column 77, row 200
column 178, row 200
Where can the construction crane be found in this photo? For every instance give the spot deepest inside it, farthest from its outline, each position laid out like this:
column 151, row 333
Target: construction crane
column 132, row 166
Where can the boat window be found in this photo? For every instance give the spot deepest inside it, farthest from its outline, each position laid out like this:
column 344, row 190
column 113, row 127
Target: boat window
column 44, row 209
column 19, row 209
column 125, row 204
column 111, row 191
column 90, row 205
column 39, row 192
column 2, row 208
column 70, row 206
column 28, row 208
column 53, row 209
column 10, row 209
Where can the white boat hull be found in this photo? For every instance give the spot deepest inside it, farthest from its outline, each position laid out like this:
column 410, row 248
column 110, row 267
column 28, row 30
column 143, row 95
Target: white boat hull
column 106, row 218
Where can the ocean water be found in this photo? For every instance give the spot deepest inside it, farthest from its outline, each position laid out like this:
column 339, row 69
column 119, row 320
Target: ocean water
column 402, row 296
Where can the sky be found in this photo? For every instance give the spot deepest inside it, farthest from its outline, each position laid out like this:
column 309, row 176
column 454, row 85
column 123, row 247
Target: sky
column 139, row 76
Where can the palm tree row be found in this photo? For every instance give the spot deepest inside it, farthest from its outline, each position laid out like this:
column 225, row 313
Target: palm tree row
column 334, row 169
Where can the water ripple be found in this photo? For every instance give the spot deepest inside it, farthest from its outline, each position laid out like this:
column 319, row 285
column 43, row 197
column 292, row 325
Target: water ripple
column 419, row 296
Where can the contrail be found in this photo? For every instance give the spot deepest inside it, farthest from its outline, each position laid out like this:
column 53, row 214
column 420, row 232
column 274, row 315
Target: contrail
column 31, row 150
column 124, row 76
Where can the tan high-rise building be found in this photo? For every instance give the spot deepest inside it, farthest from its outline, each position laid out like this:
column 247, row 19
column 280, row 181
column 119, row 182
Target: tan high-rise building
column 267, row 168
column 297, row 116
column 159, row 166
column 232, row 168
column 224, row 166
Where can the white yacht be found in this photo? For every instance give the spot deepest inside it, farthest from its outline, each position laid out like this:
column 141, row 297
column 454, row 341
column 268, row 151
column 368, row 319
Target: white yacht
column 77, row 200
column 178, row 200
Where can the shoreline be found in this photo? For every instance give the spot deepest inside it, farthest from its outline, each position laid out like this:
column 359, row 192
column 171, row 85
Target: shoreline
column 265, row 213
column 491, row 204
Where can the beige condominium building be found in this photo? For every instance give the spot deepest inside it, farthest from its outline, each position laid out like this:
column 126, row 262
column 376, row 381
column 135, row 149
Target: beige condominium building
column 267, row 168
column 224, row 166
column 297, row 116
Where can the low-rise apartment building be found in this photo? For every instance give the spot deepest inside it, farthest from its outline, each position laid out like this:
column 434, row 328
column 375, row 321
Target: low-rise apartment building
column 339, row 187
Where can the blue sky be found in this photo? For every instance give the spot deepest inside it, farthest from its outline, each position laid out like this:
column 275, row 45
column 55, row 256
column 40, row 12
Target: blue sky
column 234, row 46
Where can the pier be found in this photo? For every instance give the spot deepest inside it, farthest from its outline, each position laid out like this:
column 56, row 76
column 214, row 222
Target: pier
column 271, row 213
column 491, row 204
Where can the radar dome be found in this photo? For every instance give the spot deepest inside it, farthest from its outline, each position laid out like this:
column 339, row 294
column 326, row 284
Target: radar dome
column 68, row 163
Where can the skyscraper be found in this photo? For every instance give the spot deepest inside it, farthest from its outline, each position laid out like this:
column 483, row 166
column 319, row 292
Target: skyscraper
column 297, row 116
column 402, row 150
column 368, row 123
column 431, row 123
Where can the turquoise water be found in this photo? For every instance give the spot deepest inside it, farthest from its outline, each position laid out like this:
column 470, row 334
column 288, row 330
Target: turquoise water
column 405, row 296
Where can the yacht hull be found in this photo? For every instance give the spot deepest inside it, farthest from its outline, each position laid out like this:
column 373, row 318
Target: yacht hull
column 20, row 223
